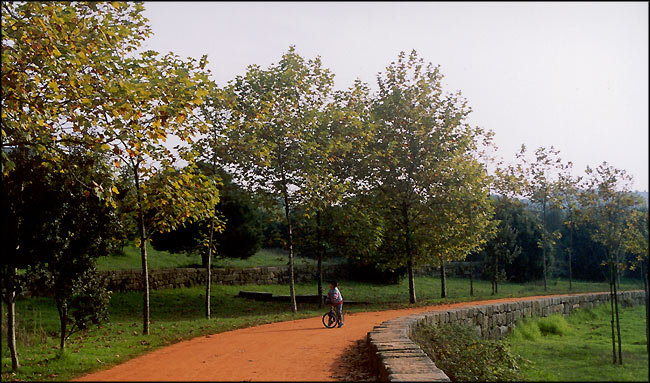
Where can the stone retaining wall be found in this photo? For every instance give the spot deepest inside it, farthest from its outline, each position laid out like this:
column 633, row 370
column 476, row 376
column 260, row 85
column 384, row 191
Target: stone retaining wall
column 397, row 358
column 131, row 280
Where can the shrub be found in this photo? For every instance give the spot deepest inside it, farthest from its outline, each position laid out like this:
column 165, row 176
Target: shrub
column 553, row 325
column 526, row 329
column 464, row 356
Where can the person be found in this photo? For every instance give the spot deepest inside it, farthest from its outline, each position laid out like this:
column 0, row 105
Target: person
column 335, row 298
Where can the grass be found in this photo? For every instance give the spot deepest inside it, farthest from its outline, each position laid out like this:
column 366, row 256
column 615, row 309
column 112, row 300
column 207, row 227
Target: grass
column 177, row 314
column 579, row 347
column 163, row 259
column 155, row 259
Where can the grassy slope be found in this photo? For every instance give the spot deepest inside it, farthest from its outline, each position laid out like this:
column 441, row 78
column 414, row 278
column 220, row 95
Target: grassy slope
column 582, row 349
column 177, row 314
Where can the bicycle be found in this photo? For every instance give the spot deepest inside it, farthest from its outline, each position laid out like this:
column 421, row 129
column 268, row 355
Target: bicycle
column 330, row 319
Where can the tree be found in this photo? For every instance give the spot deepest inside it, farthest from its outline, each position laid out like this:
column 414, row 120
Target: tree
column 461, row 213
column 540, row 189
column 504, row 247
column 56, row 60
column 636, row 242
column 421, row 140
column 502, row 183
column 274, row 113
column 241, row 236
column 18, row 227
column 608, row 206
column 167, row 200
column 567, row 198
column 150, row 98
column 55, row 64
column 339, row 137
column 68, row 228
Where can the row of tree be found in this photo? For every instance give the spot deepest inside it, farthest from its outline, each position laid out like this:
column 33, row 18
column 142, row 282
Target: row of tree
column 407, row 178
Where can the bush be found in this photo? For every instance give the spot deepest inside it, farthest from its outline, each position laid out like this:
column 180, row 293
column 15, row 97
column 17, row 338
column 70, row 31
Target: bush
column 464, row 356
column 526, row 329
column 553, row 325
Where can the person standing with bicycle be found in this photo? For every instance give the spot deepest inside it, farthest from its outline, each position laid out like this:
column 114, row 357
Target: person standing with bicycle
column 335, row 298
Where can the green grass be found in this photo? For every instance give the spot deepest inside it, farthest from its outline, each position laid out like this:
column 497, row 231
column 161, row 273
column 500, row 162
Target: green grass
column 155, row 259
column 162, row 259
column 579, row 347
column 177, row 314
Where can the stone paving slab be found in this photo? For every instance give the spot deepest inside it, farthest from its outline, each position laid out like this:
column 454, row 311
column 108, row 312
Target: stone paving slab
column 428, row 377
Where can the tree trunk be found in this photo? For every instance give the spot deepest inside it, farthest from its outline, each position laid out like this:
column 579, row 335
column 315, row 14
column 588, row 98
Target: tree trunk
column 409, row 266
column 644, row 275
column 143, row 255
column 292, row 287
column 409, row 253
column 208, row 272
column 495, row 275
column 443, row 279
column 611, row 302
column 471, row 279
column 10, row 300
column 62, row 307
column 321, row 252
column 544, row 241
column 618, row 325
column 496, row 279
column 570, row 261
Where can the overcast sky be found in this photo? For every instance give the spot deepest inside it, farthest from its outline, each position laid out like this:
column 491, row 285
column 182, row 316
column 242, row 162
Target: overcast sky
column 571, row 75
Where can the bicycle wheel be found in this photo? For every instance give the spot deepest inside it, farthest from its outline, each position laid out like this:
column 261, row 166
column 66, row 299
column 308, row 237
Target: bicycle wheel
column 329, row 319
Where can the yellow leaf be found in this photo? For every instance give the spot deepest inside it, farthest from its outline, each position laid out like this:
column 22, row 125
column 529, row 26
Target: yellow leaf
column 114, row 189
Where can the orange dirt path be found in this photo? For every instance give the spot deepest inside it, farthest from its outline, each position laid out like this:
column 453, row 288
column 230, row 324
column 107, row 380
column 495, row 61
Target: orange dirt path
column 299, row 350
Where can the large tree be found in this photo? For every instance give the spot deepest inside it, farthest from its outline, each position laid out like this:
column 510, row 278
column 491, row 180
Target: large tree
column 274, row 113
column 61, row 226
column 339, row 139
column 56, row 61
column 421, row 144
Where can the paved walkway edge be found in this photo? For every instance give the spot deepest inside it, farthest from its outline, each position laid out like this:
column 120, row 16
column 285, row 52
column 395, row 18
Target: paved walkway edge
column 398, row 359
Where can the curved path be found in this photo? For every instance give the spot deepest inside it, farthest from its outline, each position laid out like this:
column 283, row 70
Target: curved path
column 299, row 350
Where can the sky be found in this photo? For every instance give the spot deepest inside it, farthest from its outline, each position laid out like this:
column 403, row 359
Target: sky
column 572, row 75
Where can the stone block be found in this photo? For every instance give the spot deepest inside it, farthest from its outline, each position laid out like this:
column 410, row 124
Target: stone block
column 437, row 376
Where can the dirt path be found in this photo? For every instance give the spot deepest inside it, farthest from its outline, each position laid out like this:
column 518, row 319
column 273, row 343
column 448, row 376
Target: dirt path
column 300, row 350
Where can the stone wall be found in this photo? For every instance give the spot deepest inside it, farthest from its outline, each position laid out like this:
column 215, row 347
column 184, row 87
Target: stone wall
column 397, row 358
column 451, row 269
column 131, row 280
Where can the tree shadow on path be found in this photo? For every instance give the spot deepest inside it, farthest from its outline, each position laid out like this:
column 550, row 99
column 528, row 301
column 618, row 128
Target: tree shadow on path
column 354, row 365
